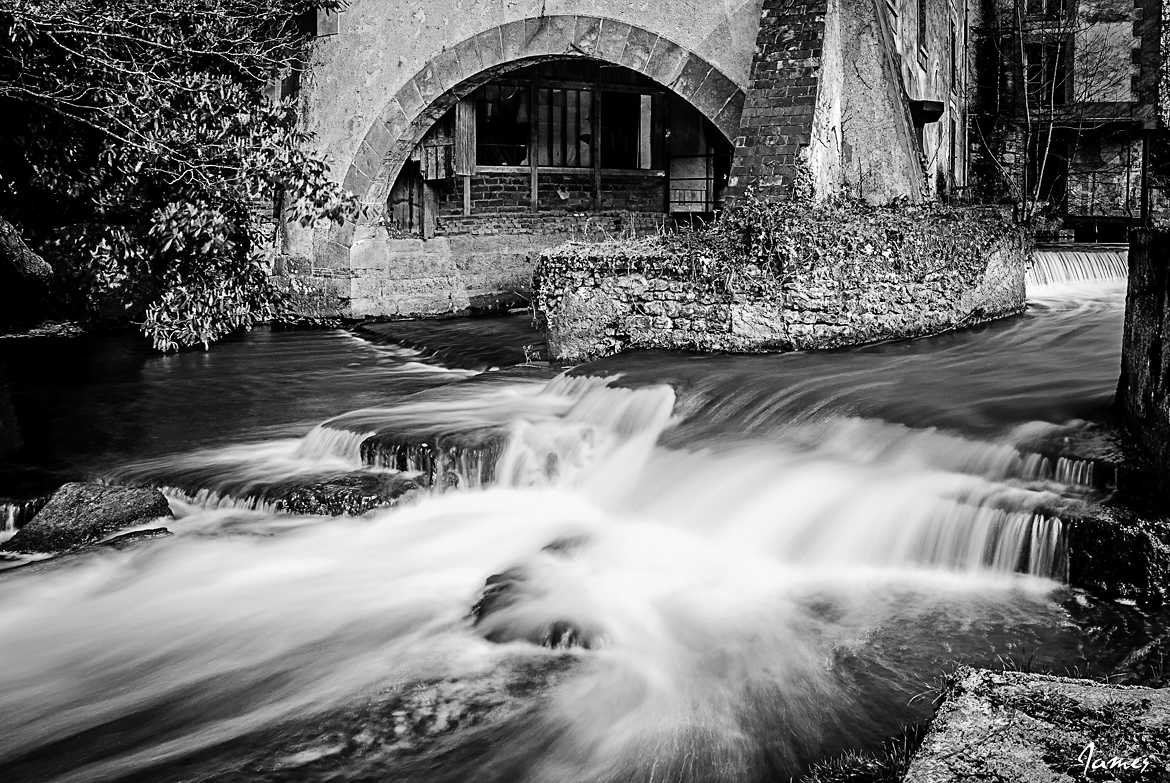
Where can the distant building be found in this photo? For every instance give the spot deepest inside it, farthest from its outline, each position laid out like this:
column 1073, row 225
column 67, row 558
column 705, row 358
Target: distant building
column 1066, row 97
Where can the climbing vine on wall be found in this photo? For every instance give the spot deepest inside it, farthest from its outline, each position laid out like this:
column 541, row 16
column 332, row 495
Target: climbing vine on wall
column 761, row 245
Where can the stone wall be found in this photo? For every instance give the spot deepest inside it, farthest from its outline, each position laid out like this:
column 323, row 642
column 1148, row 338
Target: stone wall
column 474, row 264
column 1143, row 392
column 872, row 275
column 777, row 119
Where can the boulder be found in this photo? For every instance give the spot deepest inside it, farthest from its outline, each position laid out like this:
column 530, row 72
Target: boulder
column 79, row 515
column 1029, row 727
column 514, row 586
column 349, row 494
column 25, row 280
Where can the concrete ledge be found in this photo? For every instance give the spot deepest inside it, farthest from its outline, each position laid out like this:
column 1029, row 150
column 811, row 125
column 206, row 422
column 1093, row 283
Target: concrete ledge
column 1011, row 726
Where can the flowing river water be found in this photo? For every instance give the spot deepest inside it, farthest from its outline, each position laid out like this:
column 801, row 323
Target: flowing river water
column 707, row 568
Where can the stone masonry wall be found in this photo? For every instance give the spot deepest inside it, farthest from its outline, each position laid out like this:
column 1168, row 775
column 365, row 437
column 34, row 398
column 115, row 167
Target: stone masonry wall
column 475, row 264
column 603, row 299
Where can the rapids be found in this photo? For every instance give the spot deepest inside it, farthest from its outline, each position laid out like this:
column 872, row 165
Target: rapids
column 772, row 558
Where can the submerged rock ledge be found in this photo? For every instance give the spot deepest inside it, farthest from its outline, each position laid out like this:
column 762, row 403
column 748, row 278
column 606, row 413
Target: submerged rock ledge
column 1012, row 726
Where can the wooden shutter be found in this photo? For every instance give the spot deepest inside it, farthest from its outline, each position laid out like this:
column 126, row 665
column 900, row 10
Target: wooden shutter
column 465, row 140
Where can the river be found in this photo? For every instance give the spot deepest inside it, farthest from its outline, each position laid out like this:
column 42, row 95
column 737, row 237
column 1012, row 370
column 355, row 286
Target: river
column 714, row 567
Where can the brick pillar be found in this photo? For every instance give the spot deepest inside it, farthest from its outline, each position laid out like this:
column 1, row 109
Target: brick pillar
column 777, row 117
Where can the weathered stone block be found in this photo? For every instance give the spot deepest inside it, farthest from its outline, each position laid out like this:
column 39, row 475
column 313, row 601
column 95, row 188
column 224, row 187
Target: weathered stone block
column 611, row 42
column 587, row 35
column 490, row 45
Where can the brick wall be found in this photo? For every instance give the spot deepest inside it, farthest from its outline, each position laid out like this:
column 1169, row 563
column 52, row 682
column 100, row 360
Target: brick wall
column 569, row 190
column 493, row 193
column 781, row 97
column 635, row 192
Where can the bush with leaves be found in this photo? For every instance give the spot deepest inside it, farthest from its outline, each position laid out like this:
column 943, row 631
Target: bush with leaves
column 143, row 154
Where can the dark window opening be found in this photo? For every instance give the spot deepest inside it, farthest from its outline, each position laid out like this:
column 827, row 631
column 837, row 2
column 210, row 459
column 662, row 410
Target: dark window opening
column 699, row 165
column 1048, row 167
column 502, row 125
column 1045, row 7
column 1048, row 73
column 922, row 26
column 954, row 58
column 626, row 131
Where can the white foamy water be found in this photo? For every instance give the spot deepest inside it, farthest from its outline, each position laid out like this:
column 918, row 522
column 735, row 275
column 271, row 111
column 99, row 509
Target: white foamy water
column 753, row 594
column 1053, row 267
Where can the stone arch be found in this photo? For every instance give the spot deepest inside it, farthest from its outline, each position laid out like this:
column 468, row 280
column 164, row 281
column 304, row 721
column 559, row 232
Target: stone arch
column 460, row 69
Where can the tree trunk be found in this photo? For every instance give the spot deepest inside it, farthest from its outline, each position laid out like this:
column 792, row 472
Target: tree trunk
column 25, row 280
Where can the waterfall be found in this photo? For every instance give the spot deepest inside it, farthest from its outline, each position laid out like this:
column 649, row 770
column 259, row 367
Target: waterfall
column 1073, row 266
column 7, row 521
column 15, row 513
column 1063, row 470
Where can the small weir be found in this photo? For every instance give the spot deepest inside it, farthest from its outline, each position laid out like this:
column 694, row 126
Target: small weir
column 1079, row 265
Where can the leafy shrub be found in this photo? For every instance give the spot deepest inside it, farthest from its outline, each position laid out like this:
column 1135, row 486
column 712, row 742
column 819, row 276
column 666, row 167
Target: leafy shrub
column 144, row 154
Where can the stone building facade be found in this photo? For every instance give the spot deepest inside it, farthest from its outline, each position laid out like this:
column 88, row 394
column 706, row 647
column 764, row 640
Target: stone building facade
column 480, row 132
column 1066, row 112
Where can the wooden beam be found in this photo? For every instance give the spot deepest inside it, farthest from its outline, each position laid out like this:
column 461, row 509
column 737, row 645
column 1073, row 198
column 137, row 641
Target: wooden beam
column 534, row 143
column 596, row 145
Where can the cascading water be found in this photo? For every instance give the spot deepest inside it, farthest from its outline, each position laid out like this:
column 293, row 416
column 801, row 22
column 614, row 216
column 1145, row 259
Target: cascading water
column 740, row 565
column 14, row 513
column 1071, row 266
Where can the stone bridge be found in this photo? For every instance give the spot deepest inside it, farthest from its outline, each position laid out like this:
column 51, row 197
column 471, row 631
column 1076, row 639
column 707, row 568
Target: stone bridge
column 765, row 77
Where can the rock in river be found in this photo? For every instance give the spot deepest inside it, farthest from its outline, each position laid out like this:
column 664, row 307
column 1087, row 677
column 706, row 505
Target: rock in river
column 82, row 514
column 351, row 494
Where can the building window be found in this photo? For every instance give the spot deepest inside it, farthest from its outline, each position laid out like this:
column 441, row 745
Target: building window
column 565, row 127
column 502, row 128
column 1048, row 72
column 564, row 120
column 626, row 131
column 956, row 154
column 922, row 27
column 954, row 58
column 1045, row 7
